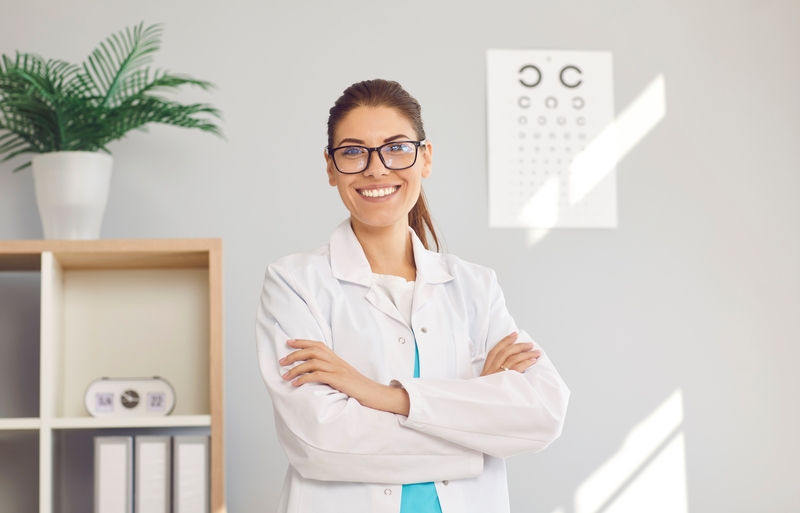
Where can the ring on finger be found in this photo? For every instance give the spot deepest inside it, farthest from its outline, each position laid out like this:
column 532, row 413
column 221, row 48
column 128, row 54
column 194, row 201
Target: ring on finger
column 504, row 367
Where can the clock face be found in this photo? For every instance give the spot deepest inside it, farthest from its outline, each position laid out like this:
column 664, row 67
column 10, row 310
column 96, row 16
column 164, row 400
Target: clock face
column 130, row 399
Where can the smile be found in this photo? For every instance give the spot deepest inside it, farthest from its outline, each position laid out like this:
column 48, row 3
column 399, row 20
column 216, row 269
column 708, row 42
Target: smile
column 378, row 193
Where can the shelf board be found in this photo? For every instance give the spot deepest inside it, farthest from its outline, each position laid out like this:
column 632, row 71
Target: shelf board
column 25, row 255
column 19, row 424
column 130, row 422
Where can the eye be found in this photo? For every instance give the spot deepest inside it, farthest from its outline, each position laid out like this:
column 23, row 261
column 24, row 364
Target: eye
column 350, row 152
column 399, row 148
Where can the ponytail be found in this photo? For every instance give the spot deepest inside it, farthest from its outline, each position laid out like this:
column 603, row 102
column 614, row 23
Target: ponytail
column 419, row 219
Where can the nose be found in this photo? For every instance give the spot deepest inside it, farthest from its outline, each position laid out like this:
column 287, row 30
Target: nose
column 375, row 167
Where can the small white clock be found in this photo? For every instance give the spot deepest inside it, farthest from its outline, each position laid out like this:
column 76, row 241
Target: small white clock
column 137, row 397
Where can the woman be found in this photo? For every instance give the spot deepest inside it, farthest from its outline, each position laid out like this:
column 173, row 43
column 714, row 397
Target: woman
column 398, row 378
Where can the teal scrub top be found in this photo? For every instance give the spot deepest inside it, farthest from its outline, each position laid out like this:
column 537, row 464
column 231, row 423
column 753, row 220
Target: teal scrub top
column 419, row 497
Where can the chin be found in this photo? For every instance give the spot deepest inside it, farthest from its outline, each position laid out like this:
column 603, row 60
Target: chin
column 379, row 221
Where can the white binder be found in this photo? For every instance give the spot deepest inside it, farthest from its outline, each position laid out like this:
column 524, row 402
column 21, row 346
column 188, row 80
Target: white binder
column 152, row 477
column 113, row 474
column 191, row 474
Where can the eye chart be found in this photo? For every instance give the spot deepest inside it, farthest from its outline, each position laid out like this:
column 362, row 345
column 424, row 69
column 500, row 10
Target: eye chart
column 551, row 136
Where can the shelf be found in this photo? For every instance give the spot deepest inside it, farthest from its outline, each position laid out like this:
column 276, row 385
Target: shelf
column 121, row 323
column 131, row 422
column 72, row 312
column 23, row 424
column 19, row 344
column 19, row 470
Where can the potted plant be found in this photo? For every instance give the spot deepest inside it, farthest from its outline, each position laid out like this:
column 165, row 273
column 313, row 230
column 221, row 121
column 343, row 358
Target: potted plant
column 66, row 115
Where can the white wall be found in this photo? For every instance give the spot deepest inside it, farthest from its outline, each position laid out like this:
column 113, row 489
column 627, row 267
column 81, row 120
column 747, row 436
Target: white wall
column 697, row 291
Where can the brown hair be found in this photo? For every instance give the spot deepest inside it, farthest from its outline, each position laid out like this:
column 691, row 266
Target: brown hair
column 387, row 93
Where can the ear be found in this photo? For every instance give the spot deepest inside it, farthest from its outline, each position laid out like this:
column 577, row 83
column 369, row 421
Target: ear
column 329, row 168
column 427, row 158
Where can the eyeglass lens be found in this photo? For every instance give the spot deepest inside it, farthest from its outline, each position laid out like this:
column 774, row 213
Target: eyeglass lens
column 395, row 155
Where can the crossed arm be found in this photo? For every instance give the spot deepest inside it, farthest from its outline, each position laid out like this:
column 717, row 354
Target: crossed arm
column 321, row 365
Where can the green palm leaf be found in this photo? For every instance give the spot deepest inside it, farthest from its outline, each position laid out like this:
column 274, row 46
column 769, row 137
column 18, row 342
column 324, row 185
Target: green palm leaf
column 53, row 105
column 139, row 82
column 117, row 58
column 138, row 112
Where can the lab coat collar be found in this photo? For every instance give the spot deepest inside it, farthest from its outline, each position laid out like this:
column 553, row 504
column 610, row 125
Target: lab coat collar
column 349, row 263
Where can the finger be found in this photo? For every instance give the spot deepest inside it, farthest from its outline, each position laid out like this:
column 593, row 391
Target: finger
column 504, row 342
column 306, row 367
column 304, row 354
column 517, row 348
column 295, row 356
column 512, row 350
column 524, row 365
column 312, row 377
column 516, row 359
column 300, row 343
column 520, row 349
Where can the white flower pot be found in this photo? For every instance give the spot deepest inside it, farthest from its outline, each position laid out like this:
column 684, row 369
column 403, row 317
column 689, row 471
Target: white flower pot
column 72, row 191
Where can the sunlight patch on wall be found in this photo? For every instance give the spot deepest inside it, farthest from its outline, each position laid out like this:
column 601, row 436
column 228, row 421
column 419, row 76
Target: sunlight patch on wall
column 617, row 140
column 647, row 473
column 603, row 153
column 660, row 487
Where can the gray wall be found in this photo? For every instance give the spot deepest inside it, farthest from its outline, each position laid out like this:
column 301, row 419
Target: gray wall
column 698, row 289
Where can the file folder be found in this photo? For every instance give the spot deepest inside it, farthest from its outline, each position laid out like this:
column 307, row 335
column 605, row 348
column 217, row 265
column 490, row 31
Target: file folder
column 113, row 474
column 152, row 476
column 191, row 474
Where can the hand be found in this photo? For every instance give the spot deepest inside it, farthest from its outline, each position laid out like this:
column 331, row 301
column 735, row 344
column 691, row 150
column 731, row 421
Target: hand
column 512, row 356
column 322, row 365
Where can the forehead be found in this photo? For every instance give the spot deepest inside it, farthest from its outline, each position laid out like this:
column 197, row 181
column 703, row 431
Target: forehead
column 372, row 125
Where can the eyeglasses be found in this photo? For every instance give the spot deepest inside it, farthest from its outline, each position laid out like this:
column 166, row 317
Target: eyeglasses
column 396, row 155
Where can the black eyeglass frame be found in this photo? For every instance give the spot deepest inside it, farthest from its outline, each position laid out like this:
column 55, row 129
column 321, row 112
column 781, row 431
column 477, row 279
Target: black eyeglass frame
column 377, row 149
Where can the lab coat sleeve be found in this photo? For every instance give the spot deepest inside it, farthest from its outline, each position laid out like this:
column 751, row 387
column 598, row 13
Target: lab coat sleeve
column 327, row 435
column 501, row 414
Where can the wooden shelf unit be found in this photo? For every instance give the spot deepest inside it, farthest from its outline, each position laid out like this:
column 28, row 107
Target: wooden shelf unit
column 18, row 424
column 125, row 308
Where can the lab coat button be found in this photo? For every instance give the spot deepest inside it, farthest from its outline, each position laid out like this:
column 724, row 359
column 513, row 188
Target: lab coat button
column 445, row 482
column 424, row 329
column 401, row 340
column 387, row 491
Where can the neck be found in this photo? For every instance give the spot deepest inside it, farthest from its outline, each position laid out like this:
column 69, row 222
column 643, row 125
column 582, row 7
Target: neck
column 388, row 249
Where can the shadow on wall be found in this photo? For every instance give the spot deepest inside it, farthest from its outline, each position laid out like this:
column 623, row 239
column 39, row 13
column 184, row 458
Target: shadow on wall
column 647, row 473
column 601, row 156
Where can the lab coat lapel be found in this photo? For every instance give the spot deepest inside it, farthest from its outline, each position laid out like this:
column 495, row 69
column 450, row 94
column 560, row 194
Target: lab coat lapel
column 384, row 304
column 349, row 263
column 433, row 337
column 430, row 273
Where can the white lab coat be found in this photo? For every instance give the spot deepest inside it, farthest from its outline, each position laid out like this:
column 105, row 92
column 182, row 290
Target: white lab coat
column 345, row 457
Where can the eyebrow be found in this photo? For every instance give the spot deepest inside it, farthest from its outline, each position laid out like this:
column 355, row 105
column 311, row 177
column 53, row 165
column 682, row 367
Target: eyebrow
column 387, row 140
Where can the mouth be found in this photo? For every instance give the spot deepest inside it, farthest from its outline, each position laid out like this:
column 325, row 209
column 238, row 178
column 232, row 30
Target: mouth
column 381, row 192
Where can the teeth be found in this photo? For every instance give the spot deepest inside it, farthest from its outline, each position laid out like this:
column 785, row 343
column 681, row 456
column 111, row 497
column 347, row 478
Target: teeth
column 377, row 193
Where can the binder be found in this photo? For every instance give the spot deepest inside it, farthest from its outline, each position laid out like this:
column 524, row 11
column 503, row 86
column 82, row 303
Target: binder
column 113, row 474
column 152, row 477
column 190, row 492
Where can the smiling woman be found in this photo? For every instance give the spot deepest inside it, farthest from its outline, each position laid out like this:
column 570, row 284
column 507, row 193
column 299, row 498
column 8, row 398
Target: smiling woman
column 398, row 378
